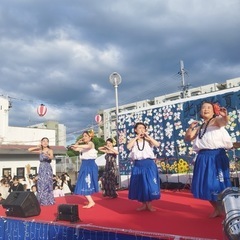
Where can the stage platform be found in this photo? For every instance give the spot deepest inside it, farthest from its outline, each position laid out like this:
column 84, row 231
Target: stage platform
column 178, row 216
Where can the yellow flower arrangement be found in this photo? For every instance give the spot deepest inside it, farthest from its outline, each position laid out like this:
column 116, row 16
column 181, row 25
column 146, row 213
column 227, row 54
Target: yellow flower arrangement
column 178, row 166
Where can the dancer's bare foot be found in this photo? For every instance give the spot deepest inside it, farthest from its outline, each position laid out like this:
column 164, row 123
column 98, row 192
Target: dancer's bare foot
column 90, row 205
column 150, row 207
column 216, row 213
column 142, row 208
column 218, row 210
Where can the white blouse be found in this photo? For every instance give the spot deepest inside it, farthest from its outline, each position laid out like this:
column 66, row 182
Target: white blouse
column 215, row 137
column 88, row 153
column 147, row 151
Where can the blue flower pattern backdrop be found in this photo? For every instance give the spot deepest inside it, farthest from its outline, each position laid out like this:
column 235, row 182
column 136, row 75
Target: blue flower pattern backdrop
column 168, row 124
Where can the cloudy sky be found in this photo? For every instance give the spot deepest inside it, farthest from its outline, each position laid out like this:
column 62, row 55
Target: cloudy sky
column 61, row 53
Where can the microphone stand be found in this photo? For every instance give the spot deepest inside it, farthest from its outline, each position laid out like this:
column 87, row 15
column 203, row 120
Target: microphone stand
column 178, row 179
column 235, row 179
column 167, row 183
column 189, row 178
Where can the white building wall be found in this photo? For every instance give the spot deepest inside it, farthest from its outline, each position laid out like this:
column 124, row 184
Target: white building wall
column 4, row 108
column 142, row 104
column 233, row 82
column 61, row 135
column 209, row 88
column 28, row 136
column 15, row 163
column 159, row 100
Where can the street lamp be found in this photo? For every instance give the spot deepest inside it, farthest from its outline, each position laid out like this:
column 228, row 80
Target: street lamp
column 230, row 198
column 115, row 79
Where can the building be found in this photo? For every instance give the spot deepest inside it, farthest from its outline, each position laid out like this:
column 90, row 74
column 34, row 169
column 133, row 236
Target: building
column 59, row 130
column 14, row 142
column 15, row 158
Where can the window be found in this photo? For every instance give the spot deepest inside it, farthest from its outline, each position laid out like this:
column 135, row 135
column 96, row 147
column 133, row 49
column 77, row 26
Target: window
column 21, row 172
column 7, row 172
column 33, row 171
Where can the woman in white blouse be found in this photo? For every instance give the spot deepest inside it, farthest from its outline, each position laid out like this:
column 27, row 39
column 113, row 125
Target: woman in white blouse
column 87, row 182
column 144, row 182
column 210, row 140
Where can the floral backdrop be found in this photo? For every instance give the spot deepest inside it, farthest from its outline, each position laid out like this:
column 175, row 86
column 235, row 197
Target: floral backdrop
column 168, row 124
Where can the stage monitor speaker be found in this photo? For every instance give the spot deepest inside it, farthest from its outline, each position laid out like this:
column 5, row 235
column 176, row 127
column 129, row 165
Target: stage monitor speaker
column 68, row 212
column 21, row 204
column 172, row 185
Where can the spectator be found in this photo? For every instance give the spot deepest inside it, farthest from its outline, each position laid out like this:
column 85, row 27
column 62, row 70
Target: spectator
column 64, row 185
column 30, row 182
column 16, row 185
column 57, row 192
column 4, row 188
column 1, row 199
column 34, row 189
column 68, row 179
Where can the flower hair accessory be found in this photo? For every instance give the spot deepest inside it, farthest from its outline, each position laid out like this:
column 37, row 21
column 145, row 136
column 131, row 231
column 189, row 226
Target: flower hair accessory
column 91, row 133
column 216, row 109
column 114, row 141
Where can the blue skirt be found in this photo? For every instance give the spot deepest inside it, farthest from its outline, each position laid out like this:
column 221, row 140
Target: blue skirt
column 144, row 182
column 211, row 174
column 87, row 182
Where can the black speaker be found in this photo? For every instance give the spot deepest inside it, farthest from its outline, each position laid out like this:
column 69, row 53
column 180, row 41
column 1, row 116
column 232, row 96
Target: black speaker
column 68, row 212
column 173, row 185
column 21, row 204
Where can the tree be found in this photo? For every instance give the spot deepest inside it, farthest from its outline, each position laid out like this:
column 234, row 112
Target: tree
column 98, row 142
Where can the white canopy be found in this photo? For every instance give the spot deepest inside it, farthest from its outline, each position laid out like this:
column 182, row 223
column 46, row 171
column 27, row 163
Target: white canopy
column 100, row 161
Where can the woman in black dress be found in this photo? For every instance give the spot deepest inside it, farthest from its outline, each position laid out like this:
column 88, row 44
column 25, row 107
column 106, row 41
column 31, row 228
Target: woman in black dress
column 110, row 172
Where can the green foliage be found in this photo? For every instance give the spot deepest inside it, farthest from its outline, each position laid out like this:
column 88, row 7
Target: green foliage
column 98, row 142
column 72, row 153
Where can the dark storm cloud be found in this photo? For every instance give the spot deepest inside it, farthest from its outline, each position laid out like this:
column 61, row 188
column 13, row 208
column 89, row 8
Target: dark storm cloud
column 61, row 53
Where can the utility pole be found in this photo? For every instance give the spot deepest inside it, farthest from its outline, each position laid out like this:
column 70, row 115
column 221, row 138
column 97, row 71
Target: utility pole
column 184, row 87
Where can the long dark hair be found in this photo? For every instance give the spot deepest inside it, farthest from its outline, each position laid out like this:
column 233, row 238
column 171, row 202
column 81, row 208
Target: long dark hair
column 44, row 139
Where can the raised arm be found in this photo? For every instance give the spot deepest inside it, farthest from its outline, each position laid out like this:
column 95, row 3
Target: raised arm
column 132, row 142
column 192, row 131
column 222, row 119
column 152, row 141
column 79, row 148
column 49, row 154
column 107, row 149
column 36, row 149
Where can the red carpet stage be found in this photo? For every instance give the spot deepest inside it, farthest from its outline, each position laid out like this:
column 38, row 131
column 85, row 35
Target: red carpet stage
column 178, row 216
